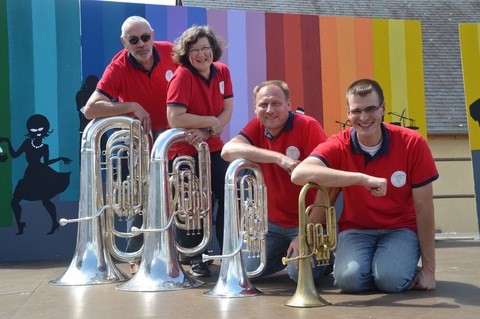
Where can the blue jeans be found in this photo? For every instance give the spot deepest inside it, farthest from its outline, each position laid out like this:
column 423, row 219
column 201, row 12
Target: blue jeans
column 384, row 259
column 277, row 241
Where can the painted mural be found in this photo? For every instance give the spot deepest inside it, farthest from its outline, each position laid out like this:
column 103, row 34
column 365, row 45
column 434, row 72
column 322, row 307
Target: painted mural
column 53, row 67
column 470, row 49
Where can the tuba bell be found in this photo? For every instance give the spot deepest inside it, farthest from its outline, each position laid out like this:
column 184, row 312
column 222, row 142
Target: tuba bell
column 246, row 224
column 182, row 197
column 314, row 240
column 125, row 196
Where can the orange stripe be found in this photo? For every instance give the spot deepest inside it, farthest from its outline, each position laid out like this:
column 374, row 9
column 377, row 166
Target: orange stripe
column 347, row 60
column 364, row 47
column 293, row 58
column 332, row 103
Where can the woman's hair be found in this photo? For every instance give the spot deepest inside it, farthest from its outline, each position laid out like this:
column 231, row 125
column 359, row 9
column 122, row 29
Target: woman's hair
column 189, row 37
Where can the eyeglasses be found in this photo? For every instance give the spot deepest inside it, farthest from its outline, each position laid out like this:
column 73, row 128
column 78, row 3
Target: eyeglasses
column 144, row 38
column 368, row 110
column 197, row 51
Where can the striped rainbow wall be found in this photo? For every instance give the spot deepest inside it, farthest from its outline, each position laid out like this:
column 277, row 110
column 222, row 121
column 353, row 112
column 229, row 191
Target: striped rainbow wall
column 317, row 56
column 43, row 68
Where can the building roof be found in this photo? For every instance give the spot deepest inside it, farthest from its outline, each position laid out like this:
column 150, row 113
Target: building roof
column 444, row 90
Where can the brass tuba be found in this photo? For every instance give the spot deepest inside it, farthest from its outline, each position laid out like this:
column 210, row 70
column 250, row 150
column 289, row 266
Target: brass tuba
column 181, row 196
column 125, row 195
column 246, row 224
column 314, row 240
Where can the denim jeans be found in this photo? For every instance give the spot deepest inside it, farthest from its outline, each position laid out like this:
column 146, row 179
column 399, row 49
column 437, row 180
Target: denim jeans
column 384, row 259
column 277, row 241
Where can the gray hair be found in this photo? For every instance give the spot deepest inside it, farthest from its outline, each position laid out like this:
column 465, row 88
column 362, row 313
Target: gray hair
column 132, row 21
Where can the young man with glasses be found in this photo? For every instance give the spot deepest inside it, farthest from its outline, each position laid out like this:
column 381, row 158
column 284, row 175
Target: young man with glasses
column 386, row 174
column 135, row 82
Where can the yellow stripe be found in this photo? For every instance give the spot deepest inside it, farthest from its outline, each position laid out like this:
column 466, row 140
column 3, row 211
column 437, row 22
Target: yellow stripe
column 381, row 59
column 398, row 69
column 415, row 78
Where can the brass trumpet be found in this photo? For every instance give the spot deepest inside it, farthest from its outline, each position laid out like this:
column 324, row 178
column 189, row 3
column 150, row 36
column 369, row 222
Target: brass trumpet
column 315, row 240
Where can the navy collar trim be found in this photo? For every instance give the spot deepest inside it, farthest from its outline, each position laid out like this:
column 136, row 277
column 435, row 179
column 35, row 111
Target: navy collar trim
column 213, row 72
column 136, row 65
column 357, row 149
column 288, row 126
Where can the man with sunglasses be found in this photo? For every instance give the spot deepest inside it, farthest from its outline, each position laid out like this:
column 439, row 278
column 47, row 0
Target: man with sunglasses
column 135, row 83
column 386, row 174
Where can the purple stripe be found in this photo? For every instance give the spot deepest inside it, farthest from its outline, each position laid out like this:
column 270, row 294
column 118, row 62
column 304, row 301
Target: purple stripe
column 217, row 19
column 177, row 22
column 256, row 55
column 237, row 62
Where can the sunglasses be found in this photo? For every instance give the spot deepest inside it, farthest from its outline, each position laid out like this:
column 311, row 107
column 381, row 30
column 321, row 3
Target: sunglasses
column 144, row 38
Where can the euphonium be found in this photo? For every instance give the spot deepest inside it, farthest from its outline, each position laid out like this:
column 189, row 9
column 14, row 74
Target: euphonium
column 125, row 196
column 246, row 223
column 314, row 241
column 182, row 196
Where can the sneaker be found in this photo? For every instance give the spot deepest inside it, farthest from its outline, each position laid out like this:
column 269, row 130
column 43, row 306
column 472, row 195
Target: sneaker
column 134, row 267
column 200, row 269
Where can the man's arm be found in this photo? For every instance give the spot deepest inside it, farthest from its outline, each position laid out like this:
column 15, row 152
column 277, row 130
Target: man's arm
column 98, row 106
column 314, row 170
column 239, row 147
column 423, row 201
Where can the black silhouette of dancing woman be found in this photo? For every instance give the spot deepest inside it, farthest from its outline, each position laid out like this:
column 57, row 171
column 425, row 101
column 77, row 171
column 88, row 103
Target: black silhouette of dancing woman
column 40, row 181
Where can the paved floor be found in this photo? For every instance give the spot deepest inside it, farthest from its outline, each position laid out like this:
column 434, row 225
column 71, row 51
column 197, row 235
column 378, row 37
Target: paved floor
column 25, row 292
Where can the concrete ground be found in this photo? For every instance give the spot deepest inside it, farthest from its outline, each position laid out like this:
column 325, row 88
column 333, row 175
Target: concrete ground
column 25, row 292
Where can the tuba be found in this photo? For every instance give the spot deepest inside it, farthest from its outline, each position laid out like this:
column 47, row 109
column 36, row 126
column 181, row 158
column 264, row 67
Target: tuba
column 125, row 196
column 314, row 240
column 246, row 223
column 181, row 197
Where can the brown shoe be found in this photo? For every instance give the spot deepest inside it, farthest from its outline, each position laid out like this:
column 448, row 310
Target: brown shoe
column 134, row 267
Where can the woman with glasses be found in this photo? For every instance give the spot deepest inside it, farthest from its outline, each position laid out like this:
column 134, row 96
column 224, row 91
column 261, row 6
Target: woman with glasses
column 200, row 99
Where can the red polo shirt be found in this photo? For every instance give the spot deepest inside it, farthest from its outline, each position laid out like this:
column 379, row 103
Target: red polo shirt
column 126, row 81
column 297, row 139
column 404, row 159
column 200, row 96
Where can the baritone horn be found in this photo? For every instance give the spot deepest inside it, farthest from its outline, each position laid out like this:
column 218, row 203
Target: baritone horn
column 125, row 163
column 181, row 196
column 315, row 240
column 246, row 223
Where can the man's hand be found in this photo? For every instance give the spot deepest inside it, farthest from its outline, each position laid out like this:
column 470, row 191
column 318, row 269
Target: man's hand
column 423, row 280
column 376, row 185
column 143, row 116
column 287, row 163
column 294, row 250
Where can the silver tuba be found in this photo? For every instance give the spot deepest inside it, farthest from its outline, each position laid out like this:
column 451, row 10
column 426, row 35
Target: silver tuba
column 246, row 224
column 182, row 197
column 125, row 196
